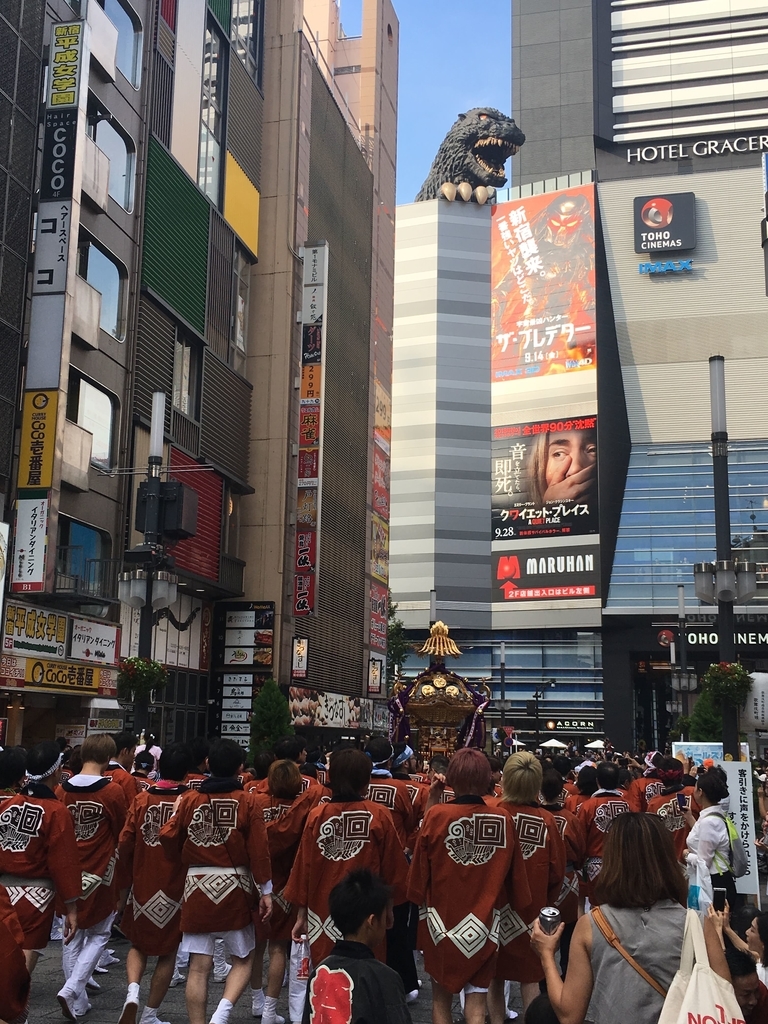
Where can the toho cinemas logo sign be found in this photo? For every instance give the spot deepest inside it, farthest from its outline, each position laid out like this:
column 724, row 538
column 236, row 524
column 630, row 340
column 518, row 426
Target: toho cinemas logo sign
column 536, row 574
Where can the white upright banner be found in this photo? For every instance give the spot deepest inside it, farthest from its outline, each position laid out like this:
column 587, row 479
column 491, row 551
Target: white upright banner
column 739, row 775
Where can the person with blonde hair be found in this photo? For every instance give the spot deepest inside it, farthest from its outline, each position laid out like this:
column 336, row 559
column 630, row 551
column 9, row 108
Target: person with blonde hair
column 544, row 857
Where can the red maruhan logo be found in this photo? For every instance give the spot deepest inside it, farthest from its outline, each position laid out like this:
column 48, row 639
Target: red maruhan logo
column 508, row 568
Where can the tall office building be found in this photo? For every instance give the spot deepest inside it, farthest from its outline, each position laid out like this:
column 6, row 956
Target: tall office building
column 204, row 228
column 634, row 218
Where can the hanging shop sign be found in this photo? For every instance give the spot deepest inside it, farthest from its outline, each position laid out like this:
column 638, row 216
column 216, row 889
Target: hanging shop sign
column 300, row 658
column 30, row 544
column 34, row 632
column 37, row 444
column 98, row 642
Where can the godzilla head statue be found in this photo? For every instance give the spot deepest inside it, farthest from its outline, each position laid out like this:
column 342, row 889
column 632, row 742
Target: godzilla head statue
column 473, row 152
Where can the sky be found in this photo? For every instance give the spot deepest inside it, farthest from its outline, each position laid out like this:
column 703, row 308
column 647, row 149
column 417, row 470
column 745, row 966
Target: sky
column 454, row 55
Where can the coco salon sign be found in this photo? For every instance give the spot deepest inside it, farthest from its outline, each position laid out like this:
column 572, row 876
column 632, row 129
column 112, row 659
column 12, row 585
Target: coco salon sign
column 699, row 148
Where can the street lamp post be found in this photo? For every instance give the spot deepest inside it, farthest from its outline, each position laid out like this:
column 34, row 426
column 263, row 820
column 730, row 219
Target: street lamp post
column 727, row 580
column 538, row 695
column 150, row 587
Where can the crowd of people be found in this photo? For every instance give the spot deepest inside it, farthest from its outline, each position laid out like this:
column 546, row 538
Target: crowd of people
column 332, row 871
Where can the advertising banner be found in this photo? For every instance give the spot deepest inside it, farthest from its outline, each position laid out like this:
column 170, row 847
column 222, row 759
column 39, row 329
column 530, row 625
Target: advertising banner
column 36, row 632
column 380, row 483
column 313, row 316
column 741, row 812
column 379, row 548
column 95, row 641
column 544, row 479
column 382, row 423
column 67, row 59
column 58, row 675
column 300, row 659
column 379, row 616
column 37, row 444
column 335, row 710
column 30, row 544
column 535, row 574
column 543, row 285
column 375, row 673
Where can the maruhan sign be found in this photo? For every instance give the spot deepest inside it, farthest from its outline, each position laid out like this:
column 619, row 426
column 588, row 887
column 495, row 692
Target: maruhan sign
column 699, row 148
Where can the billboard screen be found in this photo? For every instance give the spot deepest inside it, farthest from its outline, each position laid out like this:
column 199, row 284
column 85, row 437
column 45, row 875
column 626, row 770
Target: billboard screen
column 543, row 285
column 544, row 479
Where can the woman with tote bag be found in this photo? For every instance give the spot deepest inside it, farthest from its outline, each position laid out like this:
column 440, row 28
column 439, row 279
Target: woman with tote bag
column 641, row 893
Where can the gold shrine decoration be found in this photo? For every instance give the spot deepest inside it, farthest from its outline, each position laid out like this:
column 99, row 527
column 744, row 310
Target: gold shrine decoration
column 439, row 644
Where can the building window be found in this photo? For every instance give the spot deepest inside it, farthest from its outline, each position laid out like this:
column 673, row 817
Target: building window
column 128, row 26
column 240, row 294
column 80, row 546
column 103, row 273
column 248, row 35
column 118, row 146
column 186, row 376
column 212, row 114
column 93, row 410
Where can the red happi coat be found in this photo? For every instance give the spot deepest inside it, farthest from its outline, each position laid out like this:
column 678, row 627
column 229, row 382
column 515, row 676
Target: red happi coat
column 572, row 833
column 98, row 814
column 393, row 794
column 597, row 815
column 37, row 845
column 341, row 836
column 194, row 780
column 641, row 791
column 14, row 988
column 544, row 856
column 668, row 809
column 464, row 854
column 129, row 784
column 419, row 794
column 285, row 820
column 218, row 834
column 152, row 918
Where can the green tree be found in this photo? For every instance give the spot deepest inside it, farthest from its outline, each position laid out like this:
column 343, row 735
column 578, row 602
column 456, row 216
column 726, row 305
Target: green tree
column 271, row 718
column 706, row 720
column 398, row 647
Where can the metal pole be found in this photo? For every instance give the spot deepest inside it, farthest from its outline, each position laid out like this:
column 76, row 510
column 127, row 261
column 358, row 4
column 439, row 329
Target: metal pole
column 723, row 535
column 538, row 734
column 682, row 643
column 503, row 691
column 153, row 536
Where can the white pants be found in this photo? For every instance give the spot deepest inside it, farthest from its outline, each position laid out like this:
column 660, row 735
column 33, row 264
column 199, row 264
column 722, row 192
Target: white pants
column 80, row 956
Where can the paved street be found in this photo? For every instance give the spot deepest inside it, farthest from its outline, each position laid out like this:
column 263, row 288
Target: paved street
column 108, row 1003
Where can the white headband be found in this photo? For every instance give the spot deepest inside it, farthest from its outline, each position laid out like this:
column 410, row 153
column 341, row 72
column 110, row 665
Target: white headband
column 39, row 778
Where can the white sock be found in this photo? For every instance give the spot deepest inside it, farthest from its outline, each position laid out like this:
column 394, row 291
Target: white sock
column 133, row 993
column 222, row 1012
column 270, row 1010
column 148, row 1015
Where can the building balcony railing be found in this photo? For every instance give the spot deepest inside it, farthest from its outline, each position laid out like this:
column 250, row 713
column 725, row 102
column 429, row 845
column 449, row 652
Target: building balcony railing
column 86, row 578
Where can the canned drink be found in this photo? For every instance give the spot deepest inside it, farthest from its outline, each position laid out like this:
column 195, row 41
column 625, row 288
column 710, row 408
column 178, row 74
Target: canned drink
column 549, row 919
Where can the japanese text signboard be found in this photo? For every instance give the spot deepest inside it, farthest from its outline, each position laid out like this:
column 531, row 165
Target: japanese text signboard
column 310, row 457
column 532, row 491
column 544, row 441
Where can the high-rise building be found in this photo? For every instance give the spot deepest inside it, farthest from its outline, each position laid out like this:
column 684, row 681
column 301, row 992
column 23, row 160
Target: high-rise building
column 635, row 217
column 204, row 188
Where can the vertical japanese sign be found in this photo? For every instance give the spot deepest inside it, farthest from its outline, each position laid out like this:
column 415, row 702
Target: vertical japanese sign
column 58, row 217
column 544, row 471
column 380, row 504
column 310, row 461
column 741, row 813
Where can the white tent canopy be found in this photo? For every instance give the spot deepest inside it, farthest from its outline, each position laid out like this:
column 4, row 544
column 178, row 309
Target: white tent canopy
column 553, row 743
column 594, row 745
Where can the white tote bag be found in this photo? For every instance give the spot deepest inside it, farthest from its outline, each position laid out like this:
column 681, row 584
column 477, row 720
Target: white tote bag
column 696, row 992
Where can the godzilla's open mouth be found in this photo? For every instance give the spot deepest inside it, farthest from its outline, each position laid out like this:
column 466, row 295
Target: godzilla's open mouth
column 492, row 153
